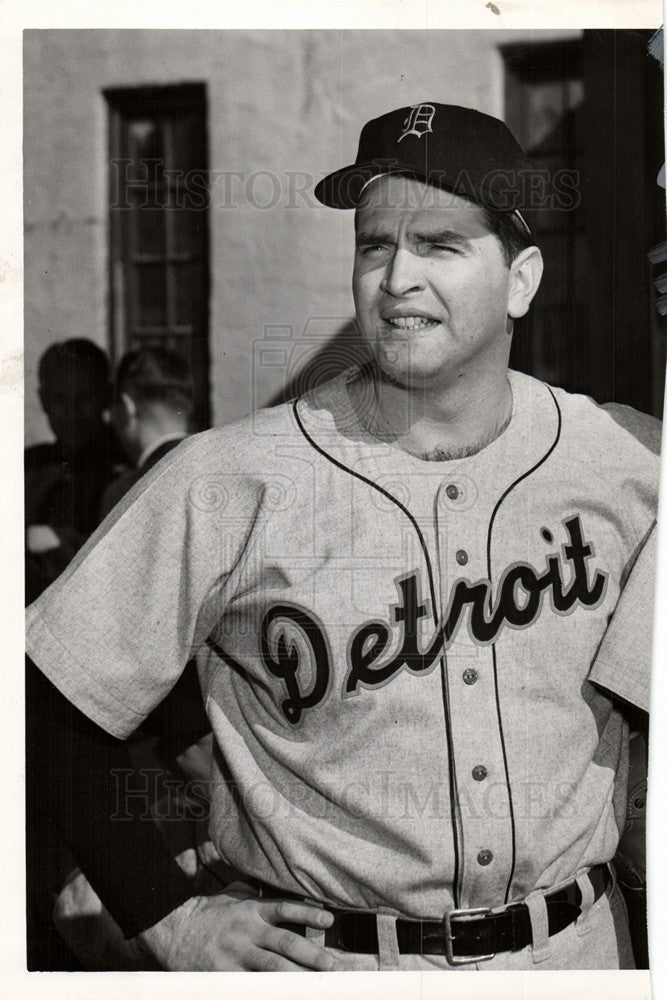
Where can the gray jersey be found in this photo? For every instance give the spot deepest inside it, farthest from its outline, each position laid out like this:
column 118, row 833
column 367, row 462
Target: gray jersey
column 406, row 664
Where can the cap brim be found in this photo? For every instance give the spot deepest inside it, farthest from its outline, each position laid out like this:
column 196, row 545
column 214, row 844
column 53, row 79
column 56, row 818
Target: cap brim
column 342, row 189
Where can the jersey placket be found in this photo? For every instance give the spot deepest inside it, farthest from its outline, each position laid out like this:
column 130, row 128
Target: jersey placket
column 485, row 837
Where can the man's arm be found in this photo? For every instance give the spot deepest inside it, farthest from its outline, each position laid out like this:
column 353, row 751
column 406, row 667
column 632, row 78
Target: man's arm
column 70, row 764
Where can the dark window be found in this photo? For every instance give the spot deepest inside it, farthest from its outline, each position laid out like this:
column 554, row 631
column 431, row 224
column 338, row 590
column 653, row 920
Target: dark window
column 594, row 105
column 159, row 226
column 544, row 92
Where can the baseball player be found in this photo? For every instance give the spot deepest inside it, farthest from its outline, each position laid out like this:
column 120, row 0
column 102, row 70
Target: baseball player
column 402, row 591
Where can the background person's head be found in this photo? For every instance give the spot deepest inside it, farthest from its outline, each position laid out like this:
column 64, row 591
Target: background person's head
column 153, row 398
column 74, row 390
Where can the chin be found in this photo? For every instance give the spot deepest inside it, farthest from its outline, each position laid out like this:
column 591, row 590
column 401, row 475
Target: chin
column 405, row 375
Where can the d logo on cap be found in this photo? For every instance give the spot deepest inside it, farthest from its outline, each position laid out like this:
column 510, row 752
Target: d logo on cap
column 418, row 121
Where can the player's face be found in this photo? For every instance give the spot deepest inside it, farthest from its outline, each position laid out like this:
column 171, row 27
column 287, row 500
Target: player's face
column 431, row 287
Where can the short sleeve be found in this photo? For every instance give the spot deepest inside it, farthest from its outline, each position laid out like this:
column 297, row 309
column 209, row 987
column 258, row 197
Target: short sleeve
column 114, row 633
column 623, row 661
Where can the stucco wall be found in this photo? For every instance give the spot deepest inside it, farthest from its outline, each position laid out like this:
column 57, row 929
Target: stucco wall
column 279, row 102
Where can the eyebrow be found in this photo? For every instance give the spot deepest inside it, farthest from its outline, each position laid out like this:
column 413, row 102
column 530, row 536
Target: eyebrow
column 437, row 236
column 373, row 237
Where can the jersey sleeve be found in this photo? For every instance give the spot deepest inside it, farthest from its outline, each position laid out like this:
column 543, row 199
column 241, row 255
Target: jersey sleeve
column 115, row 632
column 623, row 661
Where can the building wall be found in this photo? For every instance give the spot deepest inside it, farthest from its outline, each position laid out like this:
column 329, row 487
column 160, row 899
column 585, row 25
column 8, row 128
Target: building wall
column 285, row 107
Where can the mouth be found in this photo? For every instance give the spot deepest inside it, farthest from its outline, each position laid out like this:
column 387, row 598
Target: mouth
column 410, row 322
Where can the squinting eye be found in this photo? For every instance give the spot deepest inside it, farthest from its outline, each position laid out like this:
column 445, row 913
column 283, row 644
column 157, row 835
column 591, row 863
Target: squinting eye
column 371, row 248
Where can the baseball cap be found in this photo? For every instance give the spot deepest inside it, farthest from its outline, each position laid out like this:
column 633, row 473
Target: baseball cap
column 459, row 149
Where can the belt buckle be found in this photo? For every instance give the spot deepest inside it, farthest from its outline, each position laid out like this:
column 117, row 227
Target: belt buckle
column 463, row 915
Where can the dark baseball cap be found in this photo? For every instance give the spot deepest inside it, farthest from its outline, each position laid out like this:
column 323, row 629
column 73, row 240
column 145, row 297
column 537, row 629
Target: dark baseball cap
column 459, row 149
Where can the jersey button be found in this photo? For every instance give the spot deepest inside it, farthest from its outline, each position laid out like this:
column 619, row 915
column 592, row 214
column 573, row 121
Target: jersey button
column 452, row 492
column 479, row 772
column 470, row 676
column 484, row 858
column 462, row 557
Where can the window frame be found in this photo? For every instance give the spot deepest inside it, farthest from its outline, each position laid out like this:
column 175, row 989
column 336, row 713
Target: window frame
column 168, row 102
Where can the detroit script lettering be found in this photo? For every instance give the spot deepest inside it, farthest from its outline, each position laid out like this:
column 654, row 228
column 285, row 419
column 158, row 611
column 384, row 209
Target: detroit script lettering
column 370, row 640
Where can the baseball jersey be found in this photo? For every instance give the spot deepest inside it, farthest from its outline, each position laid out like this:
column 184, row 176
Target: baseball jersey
column 398, row 656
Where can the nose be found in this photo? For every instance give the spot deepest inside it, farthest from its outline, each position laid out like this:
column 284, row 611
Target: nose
column 403, row 273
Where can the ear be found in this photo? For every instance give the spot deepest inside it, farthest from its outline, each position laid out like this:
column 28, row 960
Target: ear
column 525, row 276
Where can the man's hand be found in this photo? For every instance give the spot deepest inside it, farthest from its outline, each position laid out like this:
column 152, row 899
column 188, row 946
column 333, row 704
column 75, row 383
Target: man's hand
column 233, row 931
column 41, row 538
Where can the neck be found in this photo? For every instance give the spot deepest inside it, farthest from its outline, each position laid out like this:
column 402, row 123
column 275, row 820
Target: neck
column 439, row 424
column 150, row 432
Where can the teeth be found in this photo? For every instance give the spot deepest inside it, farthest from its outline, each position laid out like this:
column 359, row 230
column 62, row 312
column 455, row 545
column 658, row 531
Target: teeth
column 410, row 322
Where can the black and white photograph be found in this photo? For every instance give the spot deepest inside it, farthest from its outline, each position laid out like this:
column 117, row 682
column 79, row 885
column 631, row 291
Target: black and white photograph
column 344, row 362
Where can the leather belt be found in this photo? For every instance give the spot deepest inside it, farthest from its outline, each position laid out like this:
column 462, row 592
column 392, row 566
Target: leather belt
column 463, row 936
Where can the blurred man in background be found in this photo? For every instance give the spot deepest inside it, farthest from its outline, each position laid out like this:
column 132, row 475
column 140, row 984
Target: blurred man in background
column 151, row 413
column 65, row 479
